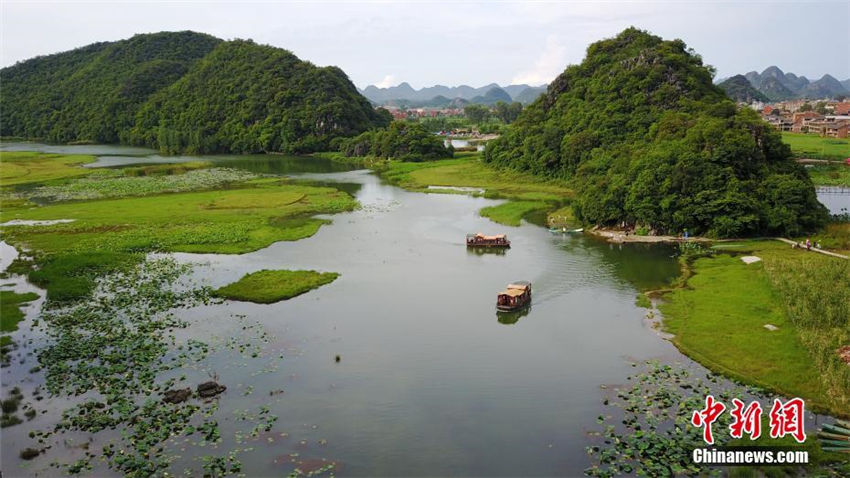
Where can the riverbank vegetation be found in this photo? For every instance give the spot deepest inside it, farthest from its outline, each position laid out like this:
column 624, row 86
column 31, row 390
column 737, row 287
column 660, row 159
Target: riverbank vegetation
column 830, row 175
column 719, row 316
column 646, row 138
column 817, row 147
column 526, row 193
column 268, row 286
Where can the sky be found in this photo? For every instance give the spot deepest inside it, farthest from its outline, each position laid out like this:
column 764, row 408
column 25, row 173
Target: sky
column 454, row 42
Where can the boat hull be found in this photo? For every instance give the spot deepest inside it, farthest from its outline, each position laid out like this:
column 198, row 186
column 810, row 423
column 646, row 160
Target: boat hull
column 505, row 308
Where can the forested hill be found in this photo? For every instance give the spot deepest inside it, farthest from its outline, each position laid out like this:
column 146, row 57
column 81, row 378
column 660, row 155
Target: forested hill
column 183, row 92
column 647, row 139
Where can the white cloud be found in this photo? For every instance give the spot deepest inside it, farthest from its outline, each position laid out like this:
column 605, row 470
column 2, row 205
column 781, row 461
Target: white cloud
column 388, row 81
column 548, row 65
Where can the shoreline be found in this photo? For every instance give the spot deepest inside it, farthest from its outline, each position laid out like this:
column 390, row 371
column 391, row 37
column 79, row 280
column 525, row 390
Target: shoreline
column 618, row 237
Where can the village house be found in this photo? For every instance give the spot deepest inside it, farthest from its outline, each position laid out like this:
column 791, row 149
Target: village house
column 801, row 121
column 830, row 129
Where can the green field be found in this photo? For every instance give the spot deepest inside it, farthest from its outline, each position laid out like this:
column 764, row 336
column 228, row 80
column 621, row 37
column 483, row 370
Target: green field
column 816, row 147
column 268, row 286
column 718, row 319
column 31, row 167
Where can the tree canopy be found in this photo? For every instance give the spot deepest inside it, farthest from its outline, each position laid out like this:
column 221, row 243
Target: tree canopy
column 183, row 92
column 403, row 140
column 646, row 138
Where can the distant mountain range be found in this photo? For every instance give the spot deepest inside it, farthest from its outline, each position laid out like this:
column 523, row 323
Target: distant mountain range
column 739, row 89
column 440, row 95
column 777, row 85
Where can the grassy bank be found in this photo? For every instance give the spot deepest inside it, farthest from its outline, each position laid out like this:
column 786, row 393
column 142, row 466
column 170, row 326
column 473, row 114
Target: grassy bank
column 268, row 286
column 837, row 175
column 812, row 146
column 527, row 193
column 719, row 319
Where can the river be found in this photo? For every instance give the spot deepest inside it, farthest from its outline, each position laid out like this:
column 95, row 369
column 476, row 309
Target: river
column 430, row 380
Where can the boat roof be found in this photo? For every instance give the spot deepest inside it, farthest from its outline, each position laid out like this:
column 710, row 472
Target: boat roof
column 520, row 284
column 497, row 236
column 512, row 292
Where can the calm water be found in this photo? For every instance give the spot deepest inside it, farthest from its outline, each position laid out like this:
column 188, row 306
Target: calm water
column 836, row 199
column 431, row 381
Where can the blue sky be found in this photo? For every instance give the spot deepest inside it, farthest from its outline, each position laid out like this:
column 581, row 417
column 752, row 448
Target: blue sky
column 452, row 43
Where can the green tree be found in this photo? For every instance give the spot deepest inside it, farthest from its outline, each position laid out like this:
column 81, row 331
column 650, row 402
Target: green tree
column 403, row 140
column 646, row 138
column 507, row 112
column 477, row 114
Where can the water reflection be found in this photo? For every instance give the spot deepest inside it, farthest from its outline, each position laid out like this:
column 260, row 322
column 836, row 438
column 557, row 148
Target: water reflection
column 480, row 251
column 510, row 318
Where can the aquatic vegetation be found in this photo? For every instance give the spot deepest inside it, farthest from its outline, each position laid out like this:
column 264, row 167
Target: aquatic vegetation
column 30, row 167
column 653, row 437
column 649, row 433
column 267, row 286
column 72, row 276
column 138, row 185
column 10, row 407
column 113, row 345
column 10, row 308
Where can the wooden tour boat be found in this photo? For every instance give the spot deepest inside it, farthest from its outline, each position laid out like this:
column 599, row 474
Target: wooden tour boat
column 516, row 296
column 480, row 240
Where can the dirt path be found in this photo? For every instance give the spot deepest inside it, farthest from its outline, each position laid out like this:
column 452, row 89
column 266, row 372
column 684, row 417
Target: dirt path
column 833, row 254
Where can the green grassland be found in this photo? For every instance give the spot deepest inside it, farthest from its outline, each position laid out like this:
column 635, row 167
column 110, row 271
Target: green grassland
column 268, row 286
column 811, row 146
column 109, row 234
column 718, row 318
column 31, row 167
column 527, row 193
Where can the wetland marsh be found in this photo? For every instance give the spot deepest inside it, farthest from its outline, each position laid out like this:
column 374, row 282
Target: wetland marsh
column 398, row 366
